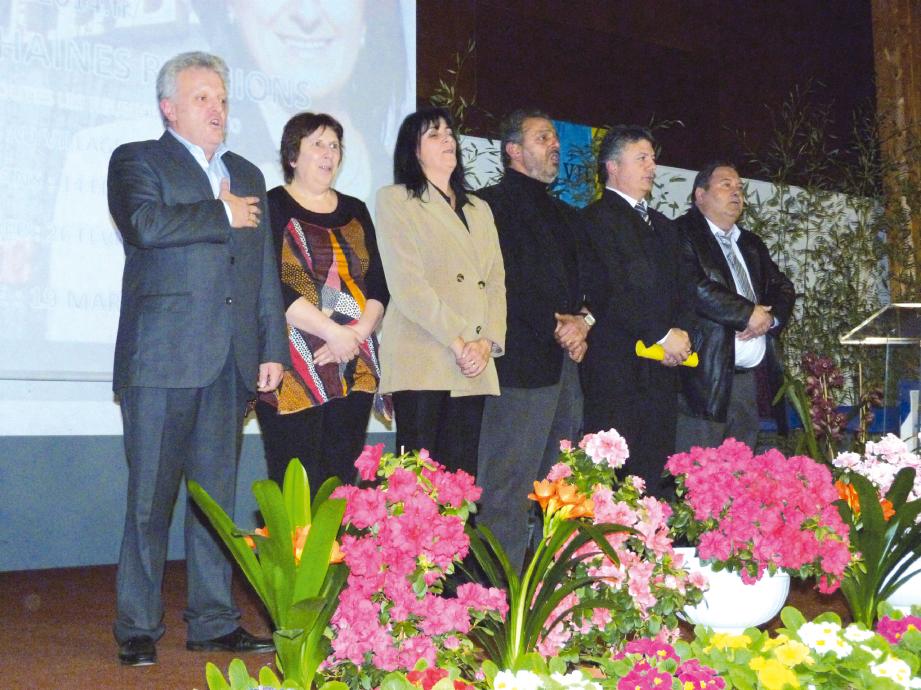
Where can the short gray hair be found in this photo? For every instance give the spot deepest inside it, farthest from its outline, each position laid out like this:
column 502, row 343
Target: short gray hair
column 169, row 73
column 511, row 131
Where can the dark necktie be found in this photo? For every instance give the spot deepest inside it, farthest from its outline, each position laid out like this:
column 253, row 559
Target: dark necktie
column 743, row 286
column 641, row 209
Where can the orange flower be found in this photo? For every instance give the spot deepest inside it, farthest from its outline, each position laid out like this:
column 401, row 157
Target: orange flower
column 543, row 492
column 567, row 493
column 336, row 556
column 298, row 540
column 584, row 509
column 849, row 494
column 888, row 510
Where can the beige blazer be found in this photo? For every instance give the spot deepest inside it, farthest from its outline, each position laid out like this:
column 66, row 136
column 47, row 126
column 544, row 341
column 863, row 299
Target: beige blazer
column 444, row 282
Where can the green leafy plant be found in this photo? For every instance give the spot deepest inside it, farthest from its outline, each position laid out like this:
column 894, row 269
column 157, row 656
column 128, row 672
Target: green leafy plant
column 547, row 578
column 885, row 537
column 288, row 564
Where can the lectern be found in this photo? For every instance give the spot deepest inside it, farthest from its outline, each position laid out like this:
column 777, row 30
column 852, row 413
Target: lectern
column 894, row 325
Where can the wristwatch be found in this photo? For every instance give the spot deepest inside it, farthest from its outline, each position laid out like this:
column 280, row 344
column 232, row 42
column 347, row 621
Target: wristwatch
column 589, row 319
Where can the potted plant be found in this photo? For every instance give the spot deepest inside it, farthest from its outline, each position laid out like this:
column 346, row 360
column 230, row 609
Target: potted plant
column 294, row 565
column 880, row 502
column 756, row 515
column 640, row 592
column 404, row 534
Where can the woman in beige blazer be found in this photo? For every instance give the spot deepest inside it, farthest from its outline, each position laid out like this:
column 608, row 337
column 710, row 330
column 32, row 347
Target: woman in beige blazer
column 446, row 317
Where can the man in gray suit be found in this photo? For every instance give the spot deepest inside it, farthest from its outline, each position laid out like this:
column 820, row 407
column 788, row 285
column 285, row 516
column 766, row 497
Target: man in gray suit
column 201, row 329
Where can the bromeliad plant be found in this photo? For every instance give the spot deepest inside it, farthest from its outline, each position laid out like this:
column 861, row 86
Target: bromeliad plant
column 881, row 503
column 750, row 514
column 294, row 565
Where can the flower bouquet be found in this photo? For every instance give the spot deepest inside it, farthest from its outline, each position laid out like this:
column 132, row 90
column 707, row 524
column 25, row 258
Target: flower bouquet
column 294, row 565
column 545, row 593
column 880, row 502
column 755, row 514
column 404, row 534
column 640, row 592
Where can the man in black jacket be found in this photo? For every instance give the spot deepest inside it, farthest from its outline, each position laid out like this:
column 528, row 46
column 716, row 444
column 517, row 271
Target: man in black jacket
column 636, row 292
column 742, row 303
column 541, row 400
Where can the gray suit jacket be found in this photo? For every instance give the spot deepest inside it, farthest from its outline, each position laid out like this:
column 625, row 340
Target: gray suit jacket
column 192, row 286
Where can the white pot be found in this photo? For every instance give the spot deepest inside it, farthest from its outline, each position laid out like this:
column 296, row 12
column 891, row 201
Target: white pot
column 730, row 605
column 910, row 592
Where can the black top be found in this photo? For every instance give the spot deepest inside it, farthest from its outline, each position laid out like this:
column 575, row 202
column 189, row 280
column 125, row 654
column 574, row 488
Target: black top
column 542, row 248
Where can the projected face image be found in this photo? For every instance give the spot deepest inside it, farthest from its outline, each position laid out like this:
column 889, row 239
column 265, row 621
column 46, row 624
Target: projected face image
column 321, row 37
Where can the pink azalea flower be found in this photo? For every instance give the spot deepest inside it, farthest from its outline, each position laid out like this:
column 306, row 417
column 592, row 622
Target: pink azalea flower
column 369, row 461
column 559, row 471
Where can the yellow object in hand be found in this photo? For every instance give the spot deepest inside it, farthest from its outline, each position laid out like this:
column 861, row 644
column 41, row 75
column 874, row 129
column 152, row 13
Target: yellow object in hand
column 656, row 352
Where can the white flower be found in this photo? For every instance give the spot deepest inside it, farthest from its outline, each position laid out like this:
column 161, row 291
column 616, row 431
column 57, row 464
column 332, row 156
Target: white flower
column 854, row 633
column 824, row 638
column 522, row 680
column 872, row 651
column 894, row 669
column 575, row 680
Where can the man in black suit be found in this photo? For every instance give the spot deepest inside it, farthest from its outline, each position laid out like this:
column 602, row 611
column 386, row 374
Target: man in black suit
column 201, row 328
column 636, row 293
column 541, row 399
column 742, row 303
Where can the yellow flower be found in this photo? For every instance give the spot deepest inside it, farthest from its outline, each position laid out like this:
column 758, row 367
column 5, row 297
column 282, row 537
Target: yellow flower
column 727, row 641
column 772, row 674
column 792, row 653
column 772, row 642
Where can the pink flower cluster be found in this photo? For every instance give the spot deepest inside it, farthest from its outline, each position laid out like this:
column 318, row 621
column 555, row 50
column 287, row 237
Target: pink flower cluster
column 607, row 447
column 766, row 511
column 881, row 461
column 402, row 538
column 892, row 629
column 647, row 673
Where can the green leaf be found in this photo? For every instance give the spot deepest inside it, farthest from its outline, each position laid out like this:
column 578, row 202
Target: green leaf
column 323, row 493
column 317, row 548
column 229, row 534
column 792, row 618
column 296, row 494
column 268, row 678
column 215, row 678
column 239, row 676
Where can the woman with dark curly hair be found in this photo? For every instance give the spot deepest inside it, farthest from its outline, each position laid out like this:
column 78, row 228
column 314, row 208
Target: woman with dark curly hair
column 446, row 318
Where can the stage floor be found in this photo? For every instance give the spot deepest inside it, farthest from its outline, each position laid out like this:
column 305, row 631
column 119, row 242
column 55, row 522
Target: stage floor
column 56, row 631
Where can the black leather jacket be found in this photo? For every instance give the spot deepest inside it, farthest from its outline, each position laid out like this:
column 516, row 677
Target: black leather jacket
column 720, row 312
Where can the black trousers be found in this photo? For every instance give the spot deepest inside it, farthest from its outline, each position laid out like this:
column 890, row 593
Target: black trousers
column 326, row 439
column 449, row 428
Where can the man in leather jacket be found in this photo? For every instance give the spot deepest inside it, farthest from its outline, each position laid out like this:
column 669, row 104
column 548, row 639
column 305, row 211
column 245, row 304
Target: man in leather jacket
column 742, row 303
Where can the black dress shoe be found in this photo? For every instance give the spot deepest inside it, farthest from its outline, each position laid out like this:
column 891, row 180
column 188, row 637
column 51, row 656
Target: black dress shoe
column 238, row 641
column 138, row 651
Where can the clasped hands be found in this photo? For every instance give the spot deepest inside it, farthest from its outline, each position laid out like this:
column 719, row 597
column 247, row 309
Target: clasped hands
column 342, row 344
column 759, row 323
column 570, row 333
column 244, row 210
column 677, row 347
column 471, row 356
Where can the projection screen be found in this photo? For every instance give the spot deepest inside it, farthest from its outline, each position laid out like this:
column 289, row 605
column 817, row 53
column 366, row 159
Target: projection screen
column 77, row 78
